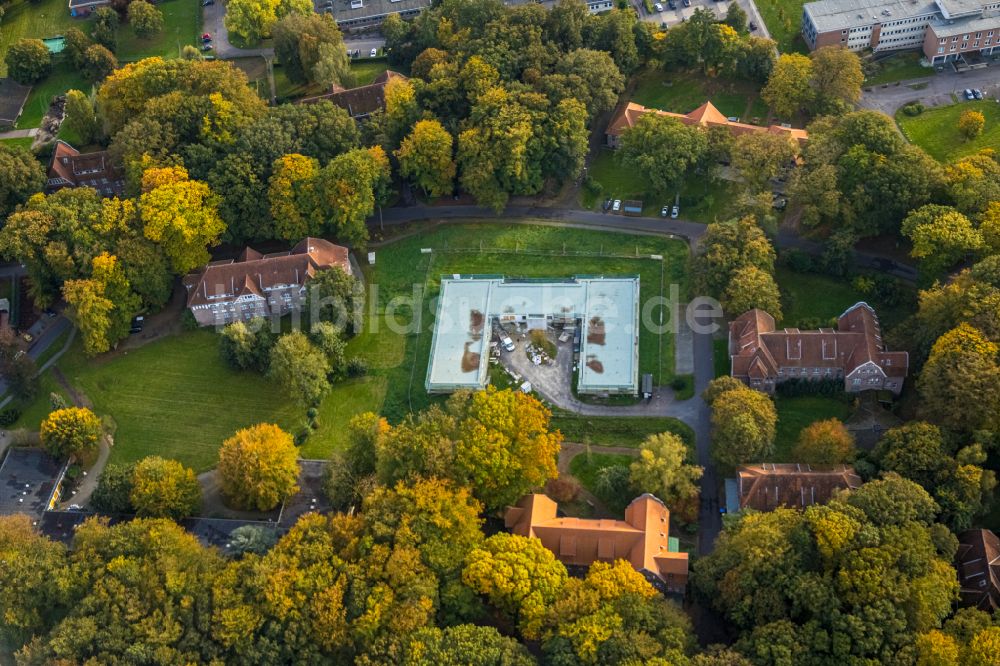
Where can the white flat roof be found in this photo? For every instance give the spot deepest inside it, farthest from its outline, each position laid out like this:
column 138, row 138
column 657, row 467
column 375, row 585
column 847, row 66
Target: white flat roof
column 608, row 308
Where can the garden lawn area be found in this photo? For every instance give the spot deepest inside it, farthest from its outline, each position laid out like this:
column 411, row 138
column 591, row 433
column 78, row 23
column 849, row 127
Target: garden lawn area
column 702, row 200
column 175, row 398
column 813, row 296
column 683, row 92
column 34, row 412
column 795, row 413
column 936, row 129
column 586, row 466
column 41, row 19
column 19, row 143
column 62, row 78
column 181, row 27
column 899, row 67
column 617, row 431
column 784, row 21
column 364, row 71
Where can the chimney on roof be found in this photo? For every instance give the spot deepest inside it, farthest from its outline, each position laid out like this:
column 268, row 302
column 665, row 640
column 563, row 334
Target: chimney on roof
column 232, row 285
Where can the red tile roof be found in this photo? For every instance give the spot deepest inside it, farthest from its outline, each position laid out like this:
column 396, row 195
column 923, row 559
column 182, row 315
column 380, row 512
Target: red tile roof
column 978, row 564
column 363, row 100
column 771, row 485
column 705, row 115
column 71, row 168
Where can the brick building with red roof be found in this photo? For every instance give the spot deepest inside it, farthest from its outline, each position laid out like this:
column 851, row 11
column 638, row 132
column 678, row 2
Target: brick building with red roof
column 71, row 168
column 763, row 357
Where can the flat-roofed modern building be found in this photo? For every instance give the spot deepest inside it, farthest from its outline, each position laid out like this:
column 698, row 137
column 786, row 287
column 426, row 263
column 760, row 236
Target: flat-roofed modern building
column 945, row 30
column 606, row 309
column 358, row 14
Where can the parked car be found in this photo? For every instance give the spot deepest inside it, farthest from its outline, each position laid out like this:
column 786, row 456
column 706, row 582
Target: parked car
column 671, row 4
column 665, row 211
column 753, row 26
column 687, row 3
column 506, row 342
column 207, row 46
column 658, row 7
column 137, row 324
column 206, row 37
column 49, row 312
column 617, row 205
column 968, row 94
column 374, row 53
column 607, row 204
column 206, row 3
column 674, row 212
column 977, row 93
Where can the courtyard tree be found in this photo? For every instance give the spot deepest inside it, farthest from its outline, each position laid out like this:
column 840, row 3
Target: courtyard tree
column 113, row 495
column 941, row 236
column 253, row 20
column 21, row 175
column 751, row 287
column 788, row 88
column 146, row 20
column 958, row 381
column 295, row 202
column 102, row 306
column 664, row 468
column 311, row 48
column 246, row 345
column 80, row 117
column 71, row 432
column 180, row 215
column 727, row 248
column 98, row 63
column 258, row 467
column 971, row 124
column 333, row 295
column 743, row 423
column 300, row 368
column 28, row 61
column 425, row 156
column 74, row 45
column 826, row 442
column 163, row 488
column 663, row 149
column 836, row 79
column 760, row 157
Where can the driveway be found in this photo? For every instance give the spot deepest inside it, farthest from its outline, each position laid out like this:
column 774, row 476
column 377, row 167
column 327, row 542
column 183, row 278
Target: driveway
column 213, row 23
column 937, row 89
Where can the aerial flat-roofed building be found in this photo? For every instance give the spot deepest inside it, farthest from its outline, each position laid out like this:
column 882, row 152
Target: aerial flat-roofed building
column 945, row 30
column 354, row 14
column 607, row 309
column 768, row 486
column 29, row 482
column 642, row 539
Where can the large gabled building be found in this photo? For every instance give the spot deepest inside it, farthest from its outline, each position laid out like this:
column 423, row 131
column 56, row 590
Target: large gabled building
column 769, row 486
column 71, row 168
column 763, row 357
column 259, row 285
column 978, row 564
column 362, row 101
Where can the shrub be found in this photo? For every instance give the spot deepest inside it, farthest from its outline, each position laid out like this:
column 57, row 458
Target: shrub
column 913, row 109
column 9, row 416
column 971, row 124
column 357, row 367
column 562, row 490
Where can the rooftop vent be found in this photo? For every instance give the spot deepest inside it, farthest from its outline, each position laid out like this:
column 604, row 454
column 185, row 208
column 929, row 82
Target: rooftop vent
column 357, row 4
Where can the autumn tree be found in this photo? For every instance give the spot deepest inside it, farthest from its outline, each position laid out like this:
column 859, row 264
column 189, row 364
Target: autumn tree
column 253, row 20
column 957, row 382
column 105, row 29
column 971, row 124
column 181, row 215
column 333, row 295
column 350, row 186
column 299, row 368
column 351, row 473
column 75, row 43
column 760, row 157
column 743, row 423
column 98, row 63
column 662, row 148
column 71, row 432
column 80, row 117
column 826, row 442
column 727, row 248
column 163, row 488
column 247, row 345
column 21, row 175
column 836, row 79
column 258, row 467
column 329, row 340
column 751, row 287
column 28, row 61
column 973, row 182
column 146, row 20
column 941, row 236
column 295, row 202
column 102, row 306
column 518, row 576
column 788, row 88
column 311, row 48
column 664, row 468
column 113, row 495
column 425, row 156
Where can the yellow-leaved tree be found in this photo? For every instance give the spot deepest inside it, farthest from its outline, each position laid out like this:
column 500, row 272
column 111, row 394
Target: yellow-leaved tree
column 73, row 431
column 258, row 467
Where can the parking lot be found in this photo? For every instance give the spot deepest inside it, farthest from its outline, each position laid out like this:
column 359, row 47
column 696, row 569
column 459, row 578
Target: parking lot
column 681, row 12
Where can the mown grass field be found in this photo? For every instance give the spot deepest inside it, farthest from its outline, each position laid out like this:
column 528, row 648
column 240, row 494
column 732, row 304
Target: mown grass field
column 175, row 397
column 815, row 296
column 784, row 20
column 796, row 413
column 615, row 431
column 936, row 129
column 586, row 467
column 41, row 19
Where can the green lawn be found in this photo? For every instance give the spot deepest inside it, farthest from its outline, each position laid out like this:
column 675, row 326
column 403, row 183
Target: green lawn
column 784, row 21
column 34, row 412
column 936, row 130
column 702, row 200
column 796, row 413
column 624, row 431
column 174, row 397
column 62, row 78
column 41, row 19
column 683, row 92
column 18, row 143
column 899, row 67
column 181, row 27
column 364, row 71
column 813, row 296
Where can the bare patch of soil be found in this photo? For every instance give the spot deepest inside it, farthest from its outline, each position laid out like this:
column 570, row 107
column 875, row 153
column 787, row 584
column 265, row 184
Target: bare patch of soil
column 595, row 365
column 595, row 331
column 470, row 359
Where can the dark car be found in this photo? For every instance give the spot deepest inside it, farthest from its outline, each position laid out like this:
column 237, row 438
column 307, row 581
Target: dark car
column 671, row 4
column 687, row 3
column 206, row 3
column 206, row 47
column 137, row 324
column 977, row 93
column 753, row 26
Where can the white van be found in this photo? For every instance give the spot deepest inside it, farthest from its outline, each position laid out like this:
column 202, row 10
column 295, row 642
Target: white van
column 506, row 342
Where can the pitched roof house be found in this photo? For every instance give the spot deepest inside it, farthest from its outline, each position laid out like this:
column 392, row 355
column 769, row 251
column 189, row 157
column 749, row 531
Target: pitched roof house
column 71, row 168
column 705, row 116
column 641, row 539
column 768, row 486
column 259, row 285
column 362, row 101
column 978, row 565
column 762, row 357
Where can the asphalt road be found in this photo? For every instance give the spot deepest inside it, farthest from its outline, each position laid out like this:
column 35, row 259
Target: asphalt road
column 937, row 91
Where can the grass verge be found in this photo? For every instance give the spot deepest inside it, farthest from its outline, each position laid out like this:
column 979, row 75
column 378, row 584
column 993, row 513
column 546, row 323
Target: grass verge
column 618, row 431
column 936, row 130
